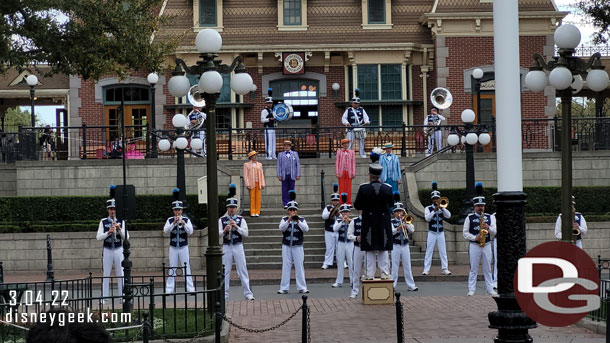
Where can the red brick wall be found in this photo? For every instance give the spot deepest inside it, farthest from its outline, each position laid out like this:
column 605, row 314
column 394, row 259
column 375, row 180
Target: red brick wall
column 90, row 112
column 461, row 57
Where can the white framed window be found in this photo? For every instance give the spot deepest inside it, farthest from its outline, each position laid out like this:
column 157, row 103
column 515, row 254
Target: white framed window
column 376, row 14
column 292, row 15
column 207, row 14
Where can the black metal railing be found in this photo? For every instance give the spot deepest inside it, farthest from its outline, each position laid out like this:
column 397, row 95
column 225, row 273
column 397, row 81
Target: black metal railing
column 97, row 142
column 588, row 50
column 603, row 270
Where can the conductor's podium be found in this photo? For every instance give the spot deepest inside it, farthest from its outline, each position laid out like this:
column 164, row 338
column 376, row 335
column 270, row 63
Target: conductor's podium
column 377, row 292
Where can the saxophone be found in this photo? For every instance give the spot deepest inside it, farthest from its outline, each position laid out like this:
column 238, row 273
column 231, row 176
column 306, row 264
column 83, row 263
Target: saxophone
column 482, row 232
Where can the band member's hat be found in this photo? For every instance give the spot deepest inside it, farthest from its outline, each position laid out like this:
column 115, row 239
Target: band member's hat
column 335, row 195
column 231, row 200
column 287, row 142
column 269, row 99
column 435, row 192
column 573, row 200
column 292, row 204
column 388, row 145
column 355, row 100
column 111, row 203
column 398, row 207
column 479, row 199
column 375, row 168
column 251, row 153
column 345, row 208
column 344, row 140
column 177, row 204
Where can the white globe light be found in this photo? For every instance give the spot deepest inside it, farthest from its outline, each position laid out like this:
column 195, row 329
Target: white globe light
column 597, row 80
column 31, row 80
column 472, row 138
column 577, row 84
column 241, row 83
column 179, row 121
column 336, row 86
column 211, row 82
column 561, row 78
column 181, row 143
column 254, row 88
column 179, row 85
column 453, row 139
column 467, row 116
column 567, row 36
column 535, row 80
column 208, row 41
column 174, row 145
column 196, row 143
column 152, row 78
column 484, row 138
column 463, row 139
column 164, row 145
column 477, row 73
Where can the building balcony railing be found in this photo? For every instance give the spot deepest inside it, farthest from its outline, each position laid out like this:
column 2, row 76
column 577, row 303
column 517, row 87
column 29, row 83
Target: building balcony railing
column 588, row 50
column 101, row 142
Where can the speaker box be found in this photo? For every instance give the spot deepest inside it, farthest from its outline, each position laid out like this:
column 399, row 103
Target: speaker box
column 125, row 197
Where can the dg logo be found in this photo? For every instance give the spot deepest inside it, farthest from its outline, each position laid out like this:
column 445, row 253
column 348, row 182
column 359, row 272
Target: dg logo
column 557, row 284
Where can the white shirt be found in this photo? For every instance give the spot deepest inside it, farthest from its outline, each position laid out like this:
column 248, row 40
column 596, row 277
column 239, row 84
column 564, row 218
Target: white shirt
column 101, row 235
column 285, row 224
column 365, row 117
column 188, row 227
column 582, row 227
column 242, row 230
column 470, row 237
column 428, row 215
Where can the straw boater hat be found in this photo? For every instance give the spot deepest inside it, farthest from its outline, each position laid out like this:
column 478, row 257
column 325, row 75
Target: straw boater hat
column 251, row 153
column 388, row 146
column 344, row 140
column 287, row 142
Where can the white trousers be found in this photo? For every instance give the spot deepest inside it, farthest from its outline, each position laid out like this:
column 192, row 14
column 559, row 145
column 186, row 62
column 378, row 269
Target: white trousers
column 235, row 252
column 433, row 239
column 479, row 255
column 344, row 253
column 435, row 138
column 377, row 257
column 112, row 258
column 183, row 254
column 579, row 243
column 350, row 136
column 270, row 144
column 358, row 259
column 330, row 238
column 290, row 256
column 402, row 253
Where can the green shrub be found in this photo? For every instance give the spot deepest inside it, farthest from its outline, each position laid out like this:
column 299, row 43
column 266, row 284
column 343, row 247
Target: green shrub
column 541, row 202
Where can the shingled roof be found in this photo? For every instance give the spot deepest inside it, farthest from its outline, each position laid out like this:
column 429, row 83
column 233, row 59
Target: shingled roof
column 461, row 6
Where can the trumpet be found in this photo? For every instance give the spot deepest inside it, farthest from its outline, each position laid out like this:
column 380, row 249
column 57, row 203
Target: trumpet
column 295, row 218
column 444, row 202
column 575, row 232
column 482, row 232
column 405, row 219
column 335, row 211
column 346, row 218
column 178, row 223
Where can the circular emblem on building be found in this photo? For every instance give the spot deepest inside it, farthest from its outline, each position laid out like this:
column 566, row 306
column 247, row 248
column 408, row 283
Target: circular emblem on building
column 294, row 63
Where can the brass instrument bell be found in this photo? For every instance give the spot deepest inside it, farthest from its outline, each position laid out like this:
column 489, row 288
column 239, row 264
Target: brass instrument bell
column 444, row 202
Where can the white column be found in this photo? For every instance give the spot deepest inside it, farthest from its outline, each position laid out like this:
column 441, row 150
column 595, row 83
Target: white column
column 508, row 95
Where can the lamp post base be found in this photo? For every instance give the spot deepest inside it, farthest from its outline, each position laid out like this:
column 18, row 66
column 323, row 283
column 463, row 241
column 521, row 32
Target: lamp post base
column 512, row 323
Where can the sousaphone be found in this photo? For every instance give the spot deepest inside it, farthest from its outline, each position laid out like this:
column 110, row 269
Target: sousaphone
column 194, row 98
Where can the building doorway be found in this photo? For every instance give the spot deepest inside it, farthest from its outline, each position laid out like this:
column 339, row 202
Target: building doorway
column 302, row 95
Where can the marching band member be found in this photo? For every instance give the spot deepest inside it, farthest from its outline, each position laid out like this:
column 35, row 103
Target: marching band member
column 345, row 247
column 354, row 234
column 233, row 229
column 288, row 170
column 401, row 251
column 391, row 167
column 292, row 227
column 254, row 179
column 111, row 233
column 375, row 201
column 434, row 215
column 194, row 116
column 436, row 136
column 479, row 229
column 179, row 228
column 345, row 168
column 354, row 118
column 268, row 121
column 580, row 225
column 330, row 215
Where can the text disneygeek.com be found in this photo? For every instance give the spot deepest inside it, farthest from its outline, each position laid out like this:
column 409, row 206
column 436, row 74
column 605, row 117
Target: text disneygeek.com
column 63, row 318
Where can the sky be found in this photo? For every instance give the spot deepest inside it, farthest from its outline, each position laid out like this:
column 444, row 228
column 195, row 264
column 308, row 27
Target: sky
column 47, row 113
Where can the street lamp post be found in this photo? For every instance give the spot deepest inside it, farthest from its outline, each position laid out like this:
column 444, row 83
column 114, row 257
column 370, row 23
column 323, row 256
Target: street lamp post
column 472, row 137
column 152, row 78
column 565, row 75
column 208, row 43
column 32, row 81
column 179, row 143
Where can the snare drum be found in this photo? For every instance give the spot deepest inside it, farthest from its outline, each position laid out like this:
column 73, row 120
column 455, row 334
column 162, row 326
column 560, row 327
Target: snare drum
column 359, row 133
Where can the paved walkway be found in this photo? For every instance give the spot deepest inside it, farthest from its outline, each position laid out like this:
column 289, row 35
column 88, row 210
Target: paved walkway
column 427, row 319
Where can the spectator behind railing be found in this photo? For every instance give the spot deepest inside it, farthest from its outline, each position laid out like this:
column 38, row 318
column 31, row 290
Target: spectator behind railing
column 132, row 153
column 47, row 143
column 117, row 148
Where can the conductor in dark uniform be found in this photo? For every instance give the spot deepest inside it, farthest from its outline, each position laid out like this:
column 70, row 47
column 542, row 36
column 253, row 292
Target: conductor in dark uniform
column 375, row 200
